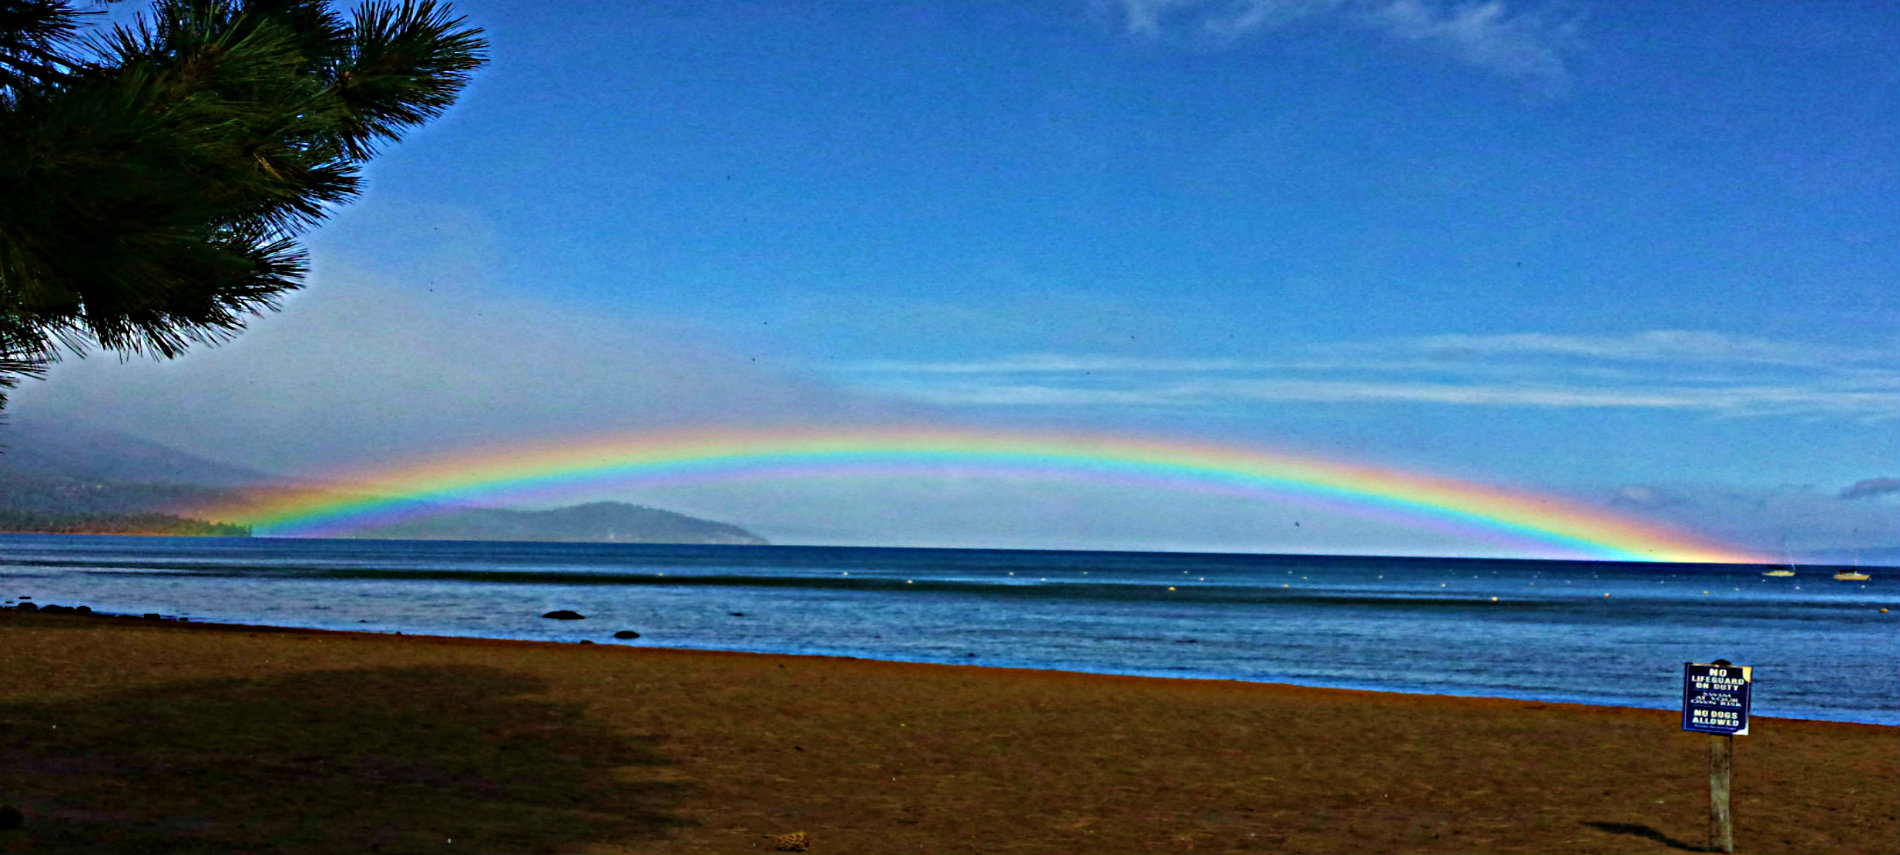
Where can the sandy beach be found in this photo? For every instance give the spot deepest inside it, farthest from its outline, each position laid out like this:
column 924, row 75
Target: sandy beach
column 120, row 734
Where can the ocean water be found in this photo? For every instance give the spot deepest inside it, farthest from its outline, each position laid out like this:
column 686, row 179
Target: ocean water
column 1536, row 630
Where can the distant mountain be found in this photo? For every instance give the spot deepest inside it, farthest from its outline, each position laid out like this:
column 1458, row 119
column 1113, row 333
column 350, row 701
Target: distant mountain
column 597, row 522
column 82, row 453
column 73, row 478
column 53, row 493
column 40, row 522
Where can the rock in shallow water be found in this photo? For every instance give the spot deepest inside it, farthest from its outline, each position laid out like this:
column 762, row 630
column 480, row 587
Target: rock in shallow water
column 564, row 614
column 626, row 633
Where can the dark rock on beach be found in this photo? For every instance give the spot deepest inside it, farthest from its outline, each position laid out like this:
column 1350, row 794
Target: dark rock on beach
column 626, row 633
column 11, row 817
column 26, row 607
column 564, row 614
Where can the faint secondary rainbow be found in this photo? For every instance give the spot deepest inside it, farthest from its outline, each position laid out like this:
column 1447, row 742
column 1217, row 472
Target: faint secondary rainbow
column 1534, row 524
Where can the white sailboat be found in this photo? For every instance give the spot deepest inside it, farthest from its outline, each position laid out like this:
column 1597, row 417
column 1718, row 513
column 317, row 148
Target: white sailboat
column 1853, row 575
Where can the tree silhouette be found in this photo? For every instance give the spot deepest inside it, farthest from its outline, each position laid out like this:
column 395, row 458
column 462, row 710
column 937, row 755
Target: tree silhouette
column 155, row 176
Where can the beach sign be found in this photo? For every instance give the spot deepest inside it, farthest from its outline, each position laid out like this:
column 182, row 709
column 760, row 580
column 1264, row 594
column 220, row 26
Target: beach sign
column 1715, row 698
column 1715, row 702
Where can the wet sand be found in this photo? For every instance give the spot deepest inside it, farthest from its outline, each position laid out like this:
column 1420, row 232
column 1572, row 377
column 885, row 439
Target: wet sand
column 147, row 736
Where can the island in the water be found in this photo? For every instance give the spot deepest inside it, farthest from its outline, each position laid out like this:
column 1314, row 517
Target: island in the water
column 74, row 479
column 596, row 522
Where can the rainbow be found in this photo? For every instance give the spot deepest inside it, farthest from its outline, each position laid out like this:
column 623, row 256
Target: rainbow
column 1526, row 523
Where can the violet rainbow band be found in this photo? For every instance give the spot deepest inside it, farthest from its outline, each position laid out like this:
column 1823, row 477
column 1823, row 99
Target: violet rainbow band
column 1542, row 526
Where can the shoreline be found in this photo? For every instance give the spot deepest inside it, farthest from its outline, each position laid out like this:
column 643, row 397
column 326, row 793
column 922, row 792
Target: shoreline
column 189, row 624
column 131, row 734
column 185, row 622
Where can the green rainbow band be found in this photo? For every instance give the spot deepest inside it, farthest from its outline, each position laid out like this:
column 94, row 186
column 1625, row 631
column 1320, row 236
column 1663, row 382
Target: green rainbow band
column 1561, row 528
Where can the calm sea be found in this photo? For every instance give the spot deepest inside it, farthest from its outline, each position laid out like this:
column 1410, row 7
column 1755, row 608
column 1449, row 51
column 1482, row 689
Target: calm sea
column 1538, row 630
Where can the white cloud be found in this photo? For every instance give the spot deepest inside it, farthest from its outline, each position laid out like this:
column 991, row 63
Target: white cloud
column 1056, row 363
column 1144, row 17
column 1870, row 487
column 1644, row 497
column 1733, row 401
column 1780, row 521
column 1653, row 345
column 1679, row 347
column 1483, row 34
column 361, row 369
column 1668, row 369
column 1224, row 19
column 1514, row 42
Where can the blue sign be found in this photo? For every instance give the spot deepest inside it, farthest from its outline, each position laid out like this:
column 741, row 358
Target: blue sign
column 1715, row 698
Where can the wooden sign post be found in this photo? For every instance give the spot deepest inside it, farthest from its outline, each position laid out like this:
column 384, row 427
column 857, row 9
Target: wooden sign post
column 1715, row 699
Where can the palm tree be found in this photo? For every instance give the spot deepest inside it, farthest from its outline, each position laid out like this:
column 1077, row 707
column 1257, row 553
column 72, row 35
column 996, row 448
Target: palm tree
column 155, row 178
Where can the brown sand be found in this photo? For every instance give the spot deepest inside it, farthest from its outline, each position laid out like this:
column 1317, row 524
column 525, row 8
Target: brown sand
column 128, row 735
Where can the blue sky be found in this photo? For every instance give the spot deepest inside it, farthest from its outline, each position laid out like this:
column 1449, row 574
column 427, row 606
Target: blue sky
column 1639, row 255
